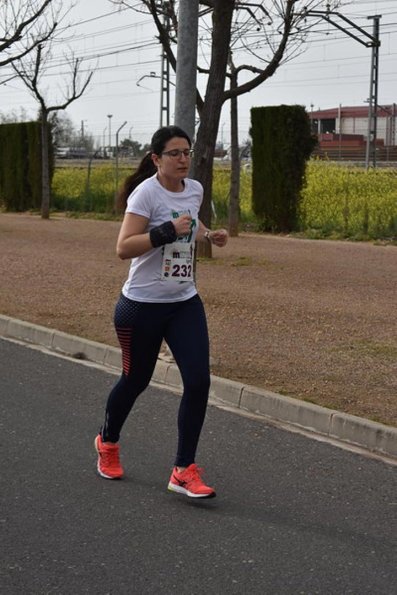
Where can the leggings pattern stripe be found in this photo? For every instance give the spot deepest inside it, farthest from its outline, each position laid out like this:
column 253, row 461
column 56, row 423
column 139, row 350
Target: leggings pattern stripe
column 124, row 336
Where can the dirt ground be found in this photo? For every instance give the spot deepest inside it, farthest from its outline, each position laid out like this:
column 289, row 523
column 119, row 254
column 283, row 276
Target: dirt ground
column 315, row 320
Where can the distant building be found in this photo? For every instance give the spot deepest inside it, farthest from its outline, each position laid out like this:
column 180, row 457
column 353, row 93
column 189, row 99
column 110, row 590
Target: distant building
column 354, row 120
column 344, row 131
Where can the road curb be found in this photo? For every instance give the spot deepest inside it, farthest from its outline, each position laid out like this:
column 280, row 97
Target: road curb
column 356, row 431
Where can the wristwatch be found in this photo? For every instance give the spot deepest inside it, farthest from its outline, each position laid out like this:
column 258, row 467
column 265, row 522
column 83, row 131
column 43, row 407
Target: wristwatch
column 207, row 235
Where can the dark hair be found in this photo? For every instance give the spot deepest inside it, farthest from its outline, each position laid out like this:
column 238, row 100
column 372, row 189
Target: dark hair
column 161, row 137
column 146, row 168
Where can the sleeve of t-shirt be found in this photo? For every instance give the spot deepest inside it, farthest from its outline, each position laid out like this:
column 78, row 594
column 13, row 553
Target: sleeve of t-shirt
column 200, row 191
column 139, row 201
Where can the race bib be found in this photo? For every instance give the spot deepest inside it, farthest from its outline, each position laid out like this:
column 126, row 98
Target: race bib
column 177, row 264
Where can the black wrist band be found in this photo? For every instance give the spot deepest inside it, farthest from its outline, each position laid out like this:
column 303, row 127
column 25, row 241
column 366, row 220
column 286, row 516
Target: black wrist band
column 163, row 234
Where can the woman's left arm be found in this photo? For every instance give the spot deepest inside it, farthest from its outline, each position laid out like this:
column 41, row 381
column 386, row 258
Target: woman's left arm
column 218, row 237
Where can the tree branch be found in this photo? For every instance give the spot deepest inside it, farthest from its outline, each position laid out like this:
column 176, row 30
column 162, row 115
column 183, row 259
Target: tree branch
column 30, row 48
column 17, row 35
column 274, row 62
column 31, row 80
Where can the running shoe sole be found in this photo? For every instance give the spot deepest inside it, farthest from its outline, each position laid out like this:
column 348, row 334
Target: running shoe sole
column 181, row 490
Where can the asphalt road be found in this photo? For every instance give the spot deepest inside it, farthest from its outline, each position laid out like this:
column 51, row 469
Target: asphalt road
column 292, row 515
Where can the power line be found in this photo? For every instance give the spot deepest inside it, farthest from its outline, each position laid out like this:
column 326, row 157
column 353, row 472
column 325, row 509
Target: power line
column 107, row 31
column 116, row 50
column 317, row 36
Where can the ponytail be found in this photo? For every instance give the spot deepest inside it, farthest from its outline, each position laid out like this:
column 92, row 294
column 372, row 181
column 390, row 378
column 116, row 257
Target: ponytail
column 145, row 169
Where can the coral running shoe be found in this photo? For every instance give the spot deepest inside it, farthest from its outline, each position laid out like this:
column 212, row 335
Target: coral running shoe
column 189, row 483
column 108, row 459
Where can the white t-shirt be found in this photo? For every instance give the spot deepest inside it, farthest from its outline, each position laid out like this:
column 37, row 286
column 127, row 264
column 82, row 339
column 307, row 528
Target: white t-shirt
column 147, row 281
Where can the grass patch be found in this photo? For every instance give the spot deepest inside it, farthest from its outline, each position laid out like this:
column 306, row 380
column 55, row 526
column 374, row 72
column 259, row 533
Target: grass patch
column 242, row 261
column 373, row 349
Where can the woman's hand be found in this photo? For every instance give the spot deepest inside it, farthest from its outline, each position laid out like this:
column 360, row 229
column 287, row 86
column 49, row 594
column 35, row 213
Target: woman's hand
column 182, row 225
column 219, row 237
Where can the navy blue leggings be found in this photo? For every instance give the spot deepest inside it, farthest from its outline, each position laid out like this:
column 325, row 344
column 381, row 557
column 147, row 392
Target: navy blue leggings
column 140, row 328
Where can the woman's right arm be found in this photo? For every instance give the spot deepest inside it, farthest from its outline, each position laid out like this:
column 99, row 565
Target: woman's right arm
column 134, row 239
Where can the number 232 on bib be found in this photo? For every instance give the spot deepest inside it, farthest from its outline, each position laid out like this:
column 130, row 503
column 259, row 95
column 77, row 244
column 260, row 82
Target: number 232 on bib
column 177, row 263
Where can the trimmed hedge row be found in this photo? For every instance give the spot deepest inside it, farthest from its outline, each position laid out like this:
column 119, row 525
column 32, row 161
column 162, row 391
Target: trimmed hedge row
column 20, row 166
column 281, row 144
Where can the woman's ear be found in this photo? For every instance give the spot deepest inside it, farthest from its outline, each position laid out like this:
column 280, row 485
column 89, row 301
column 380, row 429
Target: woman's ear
column 155, row 159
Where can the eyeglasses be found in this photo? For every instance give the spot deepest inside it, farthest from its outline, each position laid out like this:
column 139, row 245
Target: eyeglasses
column 176, row 153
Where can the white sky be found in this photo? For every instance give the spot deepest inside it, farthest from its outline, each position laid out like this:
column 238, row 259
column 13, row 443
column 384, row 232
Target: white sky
column 335, row 69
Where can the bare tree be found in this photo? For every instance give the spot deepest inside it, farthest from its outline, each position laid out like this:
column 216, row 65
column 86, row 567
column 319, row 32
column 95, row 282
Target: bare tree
column 23, row 28
column 31, row 72
column 270, row 33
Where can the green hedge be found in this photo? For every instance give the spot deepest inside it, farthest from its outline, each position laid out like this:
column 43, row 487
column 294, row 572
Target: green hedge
column 20, row 166
column 281, row 144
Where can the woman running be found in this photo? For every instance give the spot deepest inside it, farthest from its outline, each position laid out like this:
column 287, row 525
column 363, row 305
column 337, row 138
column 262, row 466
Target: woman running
column 159, row 301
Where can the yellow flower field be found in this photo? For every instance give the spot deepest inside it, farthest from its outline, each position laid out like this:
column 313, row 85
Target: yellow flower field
column 349, row 200
column 337, row 200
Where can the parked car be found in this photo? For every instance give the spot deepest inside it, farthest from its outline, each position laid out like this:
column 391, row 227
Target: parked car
column 71, row 153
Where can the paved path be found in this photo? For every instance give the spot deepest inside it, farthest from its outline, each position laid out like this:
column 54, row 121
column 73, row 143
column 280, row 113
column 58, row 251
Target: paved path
column 292, row 516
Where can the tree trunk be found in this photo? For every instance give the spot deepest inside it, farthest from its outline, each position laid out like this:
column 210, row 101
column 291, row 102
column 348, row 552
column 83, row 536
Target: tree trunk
column 211, row 112
column 234, row 200
column 45, row 168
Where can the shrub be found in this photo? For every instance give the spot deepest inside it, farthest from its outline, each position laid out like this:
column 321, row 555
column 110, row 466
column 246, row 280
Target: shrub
column 21, row 165
column 281, row 144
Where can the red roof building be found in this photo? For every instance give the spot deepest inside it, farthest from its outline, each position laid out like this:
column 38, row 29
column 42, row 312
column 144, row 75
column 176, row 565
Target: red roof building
column 354, row 121
column 344, row 130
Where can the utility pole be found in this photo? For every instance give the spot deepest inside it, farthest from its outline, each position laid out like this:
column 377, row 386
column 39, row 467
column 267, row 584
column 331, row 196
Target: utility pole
column 373, row 97
column 117, row 156
column 110, row 116
column 165, row 73
column 233, row 214
column 186, row 66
